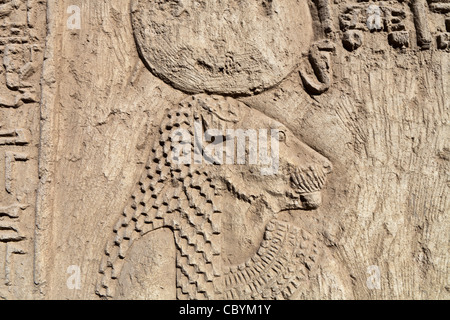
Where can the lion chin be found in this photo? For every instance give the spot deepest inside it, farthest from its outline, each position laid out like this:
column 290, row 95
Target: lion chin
column 307, row 185
column 305, row 201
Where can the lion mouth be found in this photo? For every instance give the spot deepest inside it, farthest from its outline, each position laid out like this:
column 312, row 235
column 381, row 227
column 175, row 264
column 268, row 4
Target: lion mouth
column 307, row 185
column 305, row 201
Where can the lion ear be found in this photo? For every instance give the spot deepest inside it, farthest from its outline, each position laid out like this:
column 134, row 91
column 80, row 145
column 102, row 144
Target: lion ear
column 219, row 114
column 213, row 126
column 209, row 121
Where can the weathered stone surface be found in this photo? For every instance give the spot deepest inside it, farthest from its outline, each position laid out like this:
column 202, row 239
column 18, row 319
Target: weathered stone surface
column 22, row 46
column 342, row 190
column 227, row 47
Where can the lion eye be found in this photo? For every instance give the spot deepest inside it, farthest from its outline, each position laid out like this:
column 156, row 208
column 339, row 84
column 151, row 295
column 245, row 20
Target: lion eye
column 281, row 136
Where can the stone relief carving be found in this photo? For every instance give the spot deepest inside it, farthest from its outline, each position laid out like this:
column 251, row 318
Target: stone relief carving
column 443, row 9
column 421, row 24
column 196, row 200
column 348, row 76
column 319, row 57
column 189, row 199
column 222, row 46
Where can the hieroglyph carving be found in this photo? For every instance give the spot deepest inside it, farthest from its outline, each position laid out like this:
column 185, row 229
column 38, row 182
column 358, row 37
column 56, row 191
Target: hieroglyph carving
column 373, row 17
column 22, row 31
column 442, row 9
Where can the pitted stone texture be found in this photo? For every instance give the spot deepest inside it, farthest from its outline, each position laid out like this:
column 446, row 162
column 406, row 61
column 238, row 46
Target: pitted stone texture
column 225, row 47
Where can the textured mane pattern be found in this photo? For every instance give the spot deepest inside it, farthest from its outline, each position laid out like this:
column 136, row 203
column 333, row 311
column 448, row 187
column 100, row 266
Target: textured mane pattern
column 177, row 197
column 279, row 267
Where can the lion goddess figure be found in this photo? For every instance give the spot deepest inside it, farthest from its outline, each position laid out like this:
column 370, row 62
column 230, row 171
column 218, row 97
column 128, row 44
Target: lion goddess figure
column 220, row 211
